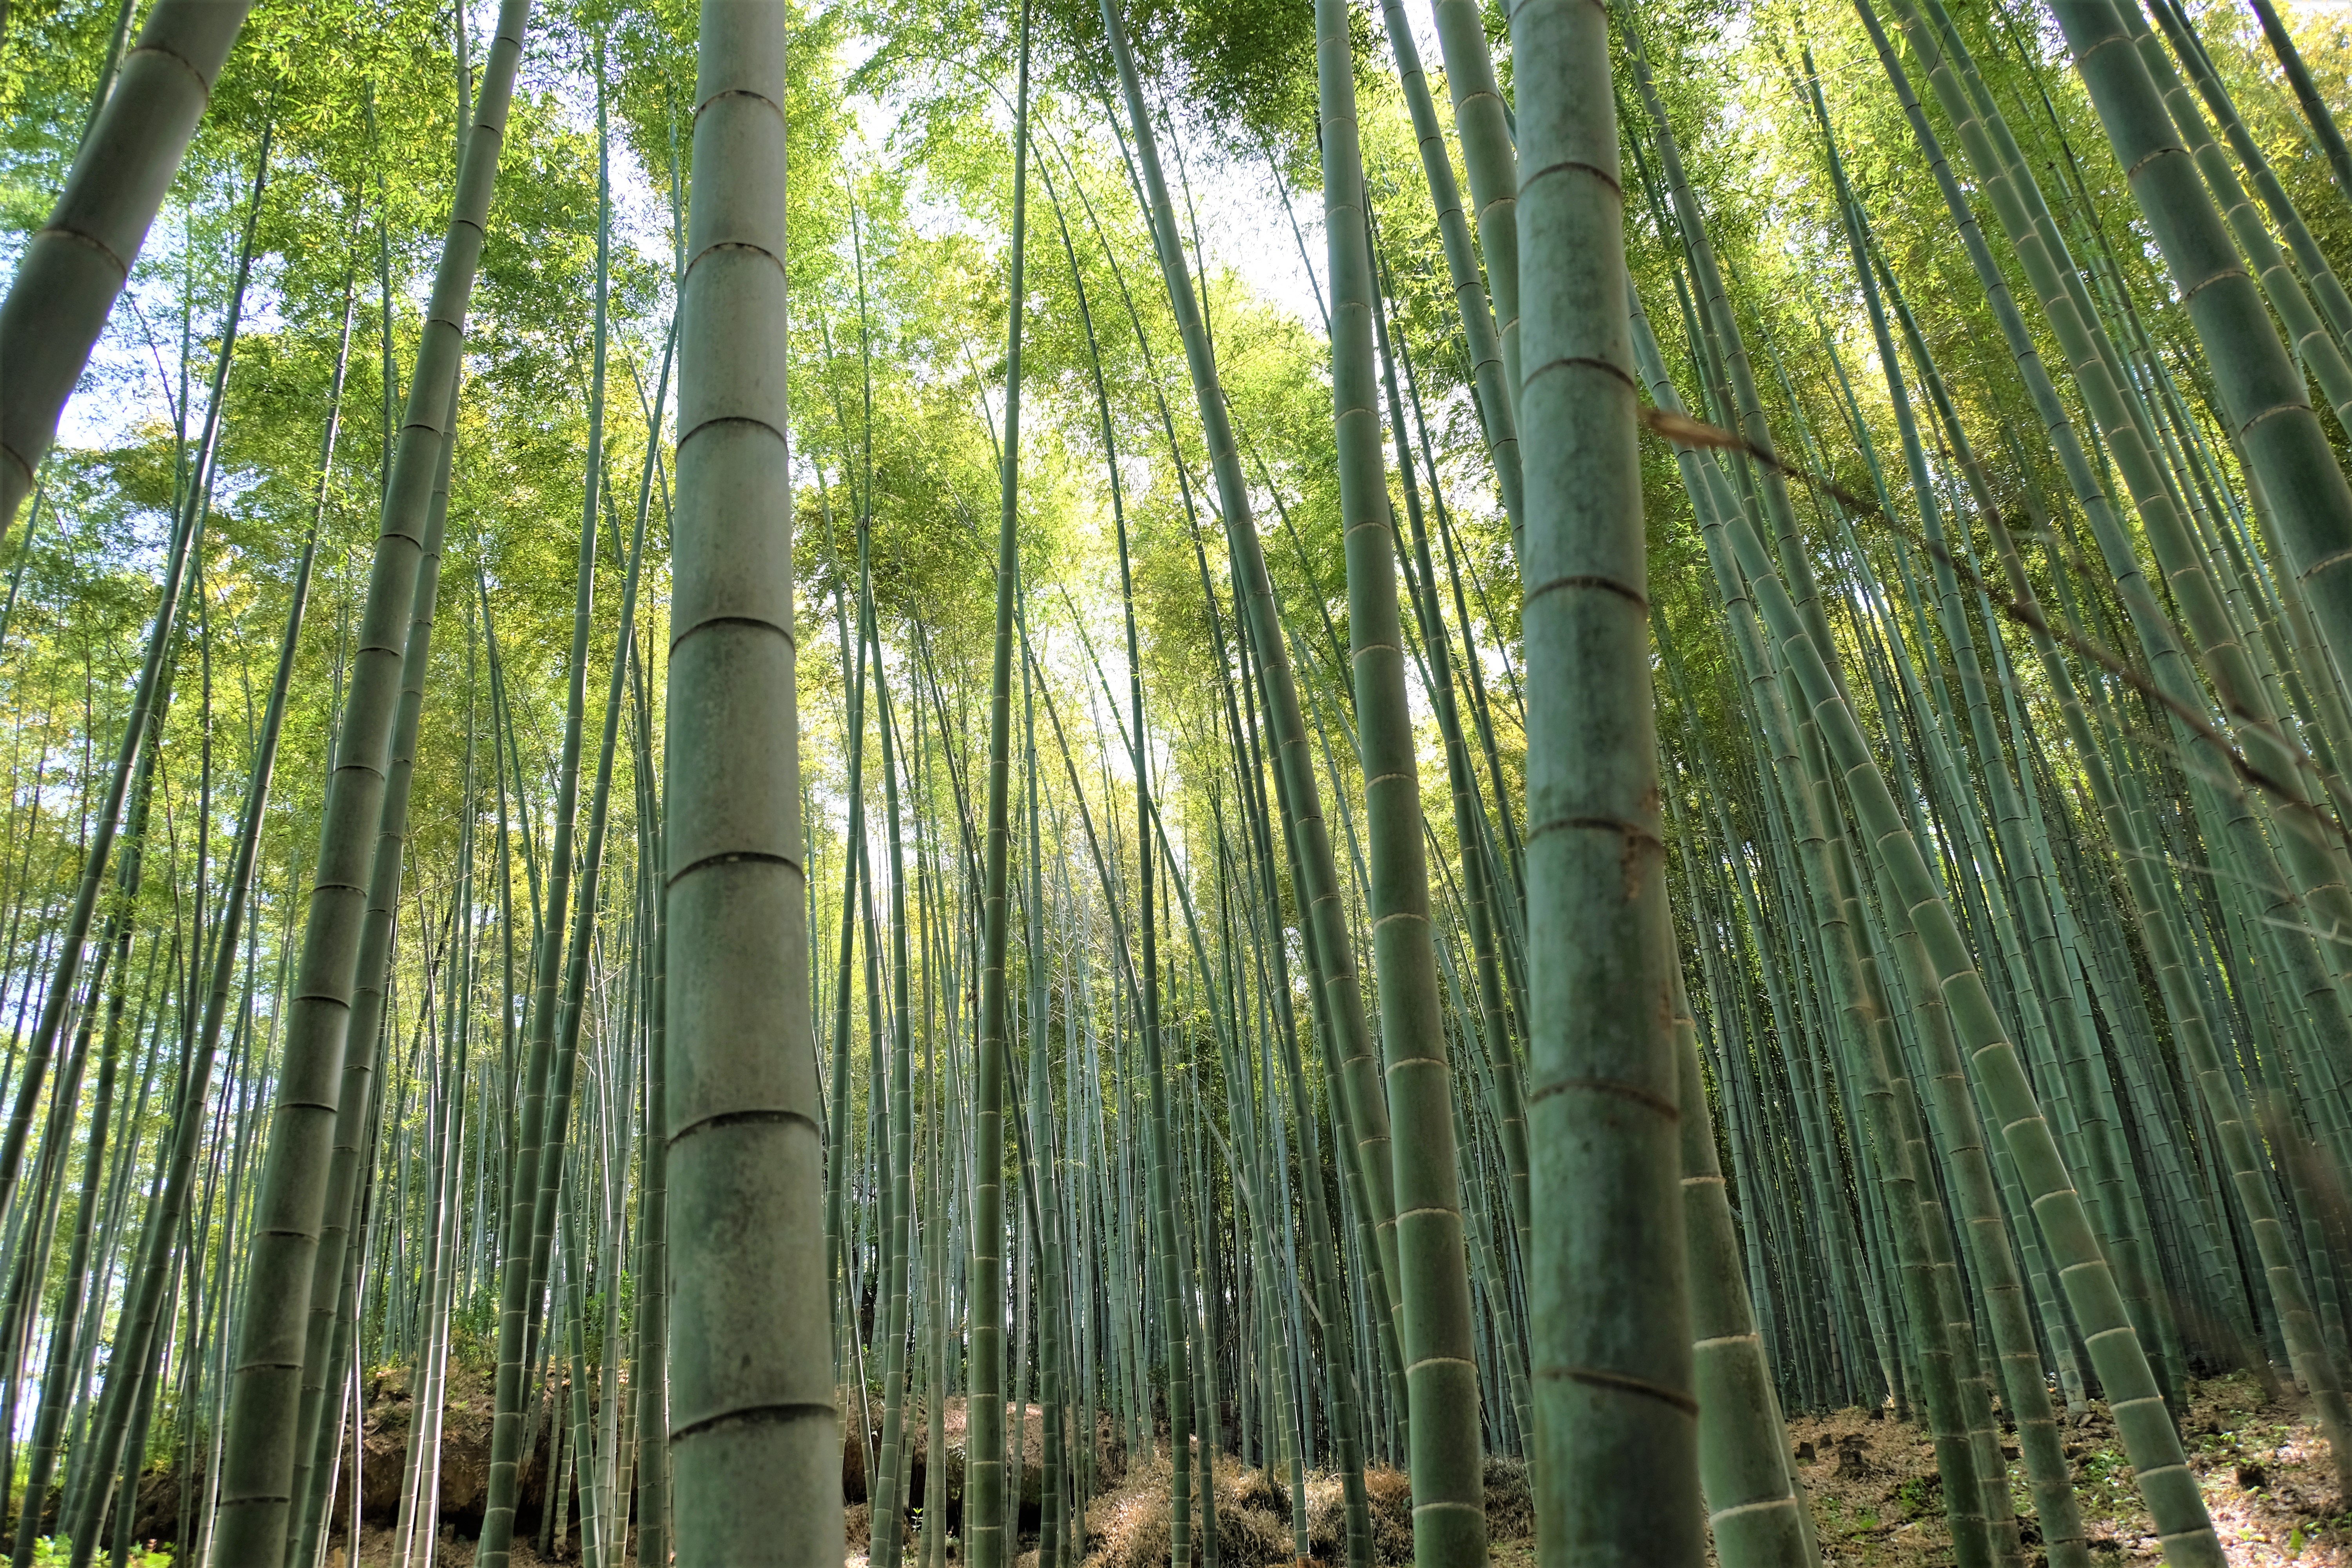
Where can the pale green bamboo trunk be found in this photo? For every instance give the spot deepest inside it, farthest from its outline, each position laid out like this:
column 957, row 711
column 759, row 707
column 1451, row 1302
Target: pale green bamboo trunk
column 889, row 1492
column 76, row 263
column 1449, row 1520
column 1756, row 1510
column 1496, row 392
column 259, row 1454
column 755, row 1434
column 1616, row 1454
column 1483, row 121
column 991, row 1517
column 652, row 1371
column 330, row 1345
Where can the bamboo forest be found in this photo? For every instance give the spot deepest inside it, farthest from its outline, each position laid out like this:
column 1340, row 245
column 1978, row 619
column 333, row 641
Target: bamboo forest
column 1092, row 783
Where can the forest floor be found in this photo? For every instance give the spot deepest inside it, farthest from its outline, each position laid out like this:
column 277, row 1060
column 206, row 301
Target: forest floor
column 1878, row 1499
column 377, row 1549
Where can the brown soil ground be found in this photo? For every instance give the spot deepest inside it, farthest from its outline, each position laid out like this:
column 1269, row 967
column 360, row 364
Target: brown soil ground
column 1877, row 1502
column 457, row 1552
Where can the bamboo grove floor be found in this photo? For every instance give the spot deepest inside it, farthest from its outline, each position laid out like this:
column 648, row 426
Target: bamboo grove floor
column 1877, row 1502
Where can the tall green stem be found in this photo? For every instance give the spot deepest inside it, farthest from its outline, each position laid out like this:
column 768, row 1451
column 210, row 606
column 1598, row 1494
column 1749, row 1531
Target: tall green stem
column 754, row 1430
column 1616, row 1454
column 1449, row 1520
